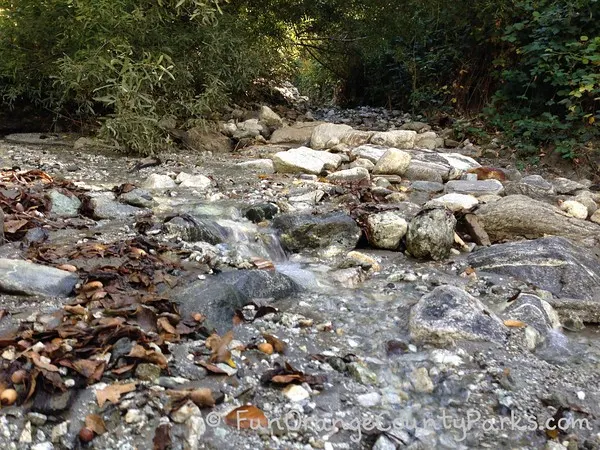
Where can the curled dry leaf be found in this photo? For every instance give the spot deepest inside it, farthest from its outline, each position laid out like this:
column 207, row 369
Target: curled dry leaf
column 278, row 345
column 113, row 393
column 247, row 417
column 152, row 356
column 220, row 352
column 92, row 286
column 95, row 423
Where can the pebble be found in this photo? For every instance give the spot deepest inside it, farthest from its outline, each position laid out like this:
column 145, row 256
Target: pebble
column 59, row 431
column 189, row 409
column 369, row 400
column 421, row 381
column 134, row 416
column 296, row 393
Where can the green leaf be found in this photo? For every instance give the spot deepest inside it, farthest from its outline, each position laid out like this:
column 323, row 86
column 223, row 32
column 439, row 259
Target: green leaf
column 584, row 38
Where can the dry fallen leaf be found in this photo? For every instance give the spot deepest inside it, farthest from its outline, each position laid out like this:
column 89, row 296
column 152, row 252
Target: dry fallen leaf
column 113, row 393
column 514, row 323
column 149, row 355
column 220, row 352
column 95, row 423
column 247, row 417
column 202, row 397
column 162, row 437
column 278, row 345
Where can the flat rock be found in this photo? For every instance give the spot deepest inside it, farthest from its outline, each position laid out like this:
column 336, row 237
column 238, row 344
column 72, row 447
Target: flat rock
column 449, row 314
column 353, row 175
column 454, row 202
column 309, row 232
column 393, row 162
column 158, row 181
column 533, row 186
column 25, row 278
column 518, row 216
column 426, row 171
column 298, row 133
column 140, row 198
column 566, row 186
column 259, row 165
column 104, row 206
column 187, row 180
column 460, row 162
column 371, row 152
column 431, row 234
column 305, row 160
column 402, row 139
column 63, row 205
column 426, row 186
column 218, row 297
column 474, row 187
column 554, row 264
column 327, row 135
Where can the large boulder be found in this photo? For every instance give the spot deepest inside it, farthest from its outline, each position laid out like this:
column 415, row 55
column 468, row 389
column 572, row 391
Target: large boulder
column 25, row 278
column 308, row 232
column 533, row 186
column 386, row 230
column 305, row 160
column 518, row 216
column 431, row 234
column 328, row 135
column 298, row 133
column 397, row 138
column 474, row 187
column 270, row 118
column 393, row 162
column 203, row 140
column 554, row 264
column 220, row 296
column 449, row 314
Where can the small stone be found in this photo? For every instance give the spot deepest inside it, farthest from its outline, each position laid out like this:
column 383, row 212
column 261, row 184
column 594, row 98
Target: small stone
column 354, row 175
column 43, row 446
column 26, row 436
column 574, row 209
column 384, row 443
column 189, row 409
column 361, row 374
column 147, row 372
column 194, row 430
column 134, row 416
column 60, row 430
column 364, row 261
column 64, row 205
column 296, row 393
column 186, row 180
column 454, row 202
column 157, row 181
column 37, row 419
column 386, row 230
column 421, row 381
column 364, row 163
column 369, row 400
column 431, row 234
column 265, row 166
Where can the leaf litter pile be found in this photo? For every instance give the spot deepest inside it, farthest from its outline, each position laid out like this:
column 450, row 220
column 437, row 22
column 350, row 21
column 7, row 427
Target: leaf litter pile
column 120, row 318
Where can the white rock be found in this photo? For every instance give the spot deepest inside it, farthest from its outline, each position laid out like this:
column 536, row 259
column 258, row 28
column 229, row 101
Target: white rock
column 311, row 198
column 349, row 175
column 157, row 181
column 427, row 140
column 43, row 446
column 596, row 217
column 421, row 381
column 574, row 209
column 305, row 160
column 134, row 416
column 397, row 138
column 269, row 117
column 59, row 431
column 261, row 165
column 189, row 409
column 386, row 230
column 460, row 162
column 370, row 152
column 194, row 430
column 369, row 400
column 444, row 357
column 393, row 162
column 296, row 393
column 26, row 436
column 186, row 180
column 454, row 202
column 364, row 163
column 326, row 132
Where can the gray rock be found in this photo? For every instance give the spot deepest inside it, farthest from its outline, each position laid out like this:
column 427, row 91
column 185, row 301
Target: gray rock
column 250, row 129
column 474, row 187
column 147, row 372
column 63, row 205
column 426, row 171
column 371, row 152
column 393, row 161
column 308, row 232
column 535, row 312
column 431, row 234
column 566, row 186
column 419, row 127
column 427, row 186
column 194, row 229
column 517, row 216
column 201, row 139
column 428, row 140
column 305, row 160
column 260, row 165
column 2, row 239
column 220, row 296
column 554, row 264
column 269, row 118
column 454, row 202
column 402, row 139
column 349, row 175
column 25, row 278
column 325, row 134
column 140, row 198
column 386, row 230
column 449, row 314
column 104, row 206
column 533, row 186
column 158, row 181
column 459, row 162
column 298, row 133
column 364, row 163
column 187, row 180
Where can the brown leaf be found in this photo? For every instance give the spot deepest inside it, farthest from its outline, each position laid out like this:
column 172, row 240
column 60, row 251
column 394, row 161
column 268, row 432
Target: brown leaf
column 164, row 324
column 12, row 226
column 149, row 355
column 247, row 417
column 162, row 437
column 278, row 345
column 287, row 379
column 124, row 369
column 95, row 423
column 202, row 397
column 220, row 352
column 113, row 393
column 37, row 361
column 212, row 368
column 514, row 323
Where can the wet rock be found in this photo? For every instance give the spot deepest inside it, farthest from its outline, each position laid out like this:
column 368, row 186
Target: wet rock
column 63, row 205
column 535, row 312
column 25, row 278
column 431, row 234
column 261, row 212
column 566, row 186
column 533, row 186
column 427, row 140
column 403, row 139
column 140, row 198
column 187, row 180
column 260, row 165
column 158, row 181
column 421, row 381
column 354, row 175
column 104, row 206
column 327, row 135
column 426, row 171
column 554, row 264
column 517, row 216
column 308, row 232
column 193, row 229
column 370, row 152
column 574, row 209
column 218, row 297
column 298, row 133
column 427, row 186
column 367, row 262
column 449, row 314
column 361, row 373
column 454, row 202
column 36, row 235
column 393, row 161
column 305, row 160
column 386, row 230
column 474, row 187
